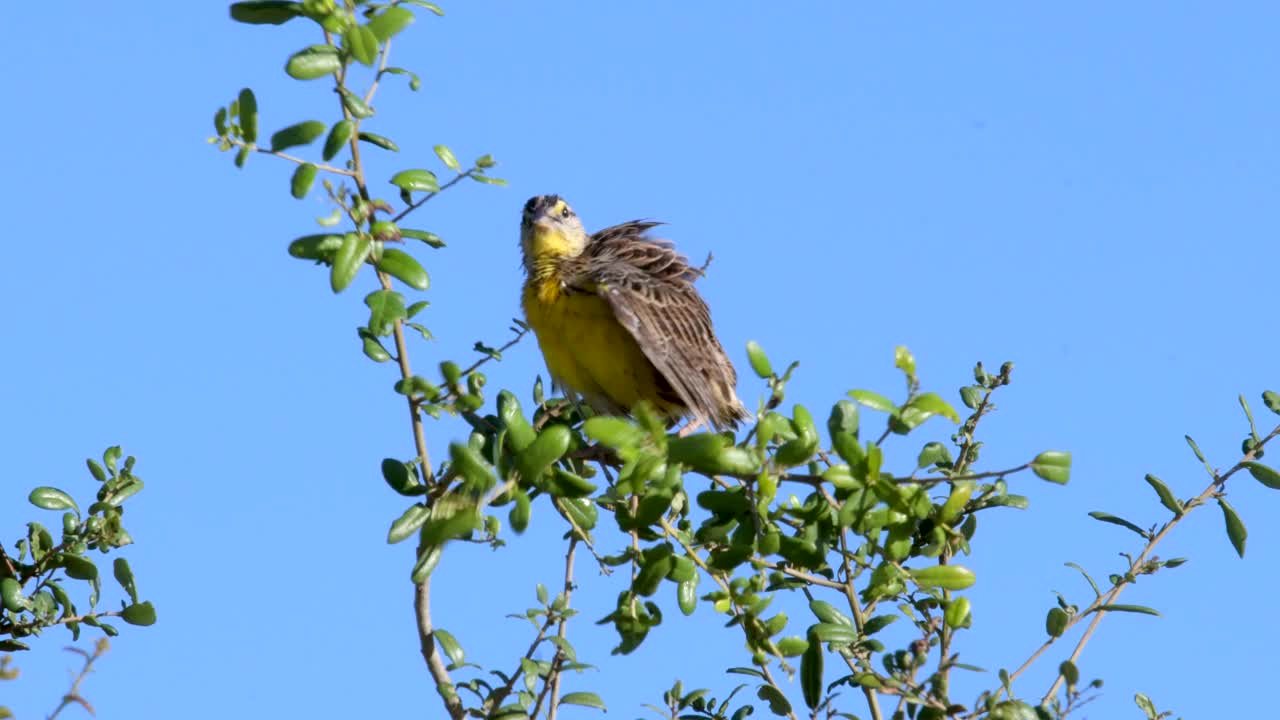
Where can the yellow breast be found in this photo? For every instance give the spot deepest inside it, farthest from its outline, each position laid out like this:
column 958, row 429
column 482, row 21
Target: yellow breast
column 587, row 350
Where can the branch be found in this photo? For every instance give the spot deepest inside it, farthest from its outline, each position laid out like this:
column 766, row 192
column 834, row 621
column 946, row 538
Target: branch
column 415, row 205
column 73, row 695
column 558, row 661
column 1135, row 568
column 237, row 142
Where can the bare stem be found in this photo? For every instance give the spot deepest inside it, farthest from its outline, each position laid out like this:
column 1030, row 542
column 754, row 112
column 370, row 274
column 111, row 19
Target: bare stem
column 73, row 695
column 237, row 142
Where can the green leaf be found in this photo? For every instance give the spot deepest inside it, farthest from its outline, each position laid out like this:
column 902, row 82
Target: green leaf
column 265, row 12
column 1200, row 456
column 400, row 479
column 1272, row 401
column 520, row 511
column 339, row 136
column 409, row 522
column 1142, row 609
column 1265, row 475
column 426, row 562
column 351, row 255
column 11, row 595
column 878, row 623
column 1114, row 520
column 1236, row 531
column 79, row 568
column 380, row 141
column 142, row 614
column 124, row 575
column 1069, row 672
column 488, row 180
column 360, row 41
column 1055, row 623
column 220, row 122
column 687, row 596
column 473, row 468
column 373, row 349
column 875, row 401
column 49, row 498
column 416, row 180
column 390, row 22
column 449, row 646
column 585, row 699
column 248, row 116
column 1149, row 708
column 1166, row 496
column 778, row 703
column 934, row 453
column 615, row 432
column 96, row 470
column 932, row 404
column 429, row 238
column 904, row 361
column 355, row 104
column 303, row 178
column 811, row 675
column 759, row 361
column 835, row 633
column 428, row 5
column 414, row 81
column 403, row 267
column 1052, row 465
column 316, row 247
column 303, row 133
column 550, row 445
column 947, row 577
column 313, row 63
column 971, row 396
column 446, row 157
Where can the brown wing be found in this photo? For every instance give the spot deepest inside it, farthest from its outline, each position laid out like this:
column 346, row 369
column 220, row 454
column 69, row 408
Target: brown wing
column 650, row 288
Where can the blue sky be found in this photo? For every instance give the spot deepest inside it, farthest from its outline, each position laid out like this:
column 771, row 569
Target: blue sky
column 1088, row 190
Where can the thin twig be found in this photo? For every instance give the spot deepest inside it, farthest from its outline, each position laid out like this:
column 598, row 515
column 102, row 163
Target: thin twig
column 73, row 695
column 557, row 662
column 415, row 205
column 237, row 142
column 1135, row 568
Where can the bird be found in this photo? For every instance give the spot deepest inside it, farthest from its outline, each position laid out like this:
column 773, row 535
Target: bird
column 619, row 322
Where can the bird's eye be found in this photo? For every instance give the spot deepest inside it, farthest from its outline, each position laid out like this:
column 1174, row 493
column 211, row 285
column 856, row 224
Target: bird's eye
column 566, row 212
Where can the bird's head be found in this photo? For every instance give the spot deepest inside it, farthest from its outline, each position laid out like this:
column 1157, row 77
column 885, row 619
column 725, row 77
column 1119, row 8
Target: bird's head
column 550, row 229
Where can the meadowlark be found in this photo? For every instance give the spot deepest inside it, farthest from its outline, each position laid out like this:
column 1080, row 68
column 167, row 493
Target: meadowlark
column 619, row 321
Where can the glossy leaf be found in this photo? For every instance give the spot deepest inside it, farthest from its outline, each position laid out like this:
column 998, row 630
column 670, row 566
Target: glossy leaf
column 811, row 671
column 1266, row 475
column 1052, row 465
column 339, row 136
column 1272, row 401
column 405, row 268
column 759, row 361
column 446, row 156
column 141, row 614
column 449, row 646
column 311, row 64
column 49, row 498
column 585, row 699
column 550, row 445
column 1236, row 531
column 1200, row 456
column 355, row 104
column 124, row 575
column 316, row 247
column 248, row 115
column 932, row 404
column 409, row 522
column 875, row 401
column 1141, row 609
column 389, row 22
column 360, row 41
column 298, row 134
column 303, row 178
column 416, row 180
column 1166, row 496
column 834, row 633
column 429, row 238
column 398, row 478
column 947, row 577
column 265, row 12
column 1112, row 519
column 1055, row 623
column 378, row 140
column 347, row 260
column 11, row 595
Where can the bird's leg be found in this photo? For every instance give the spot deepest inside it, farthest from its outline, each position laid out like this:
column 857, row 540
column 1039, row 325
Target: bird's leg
column 688, row 429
